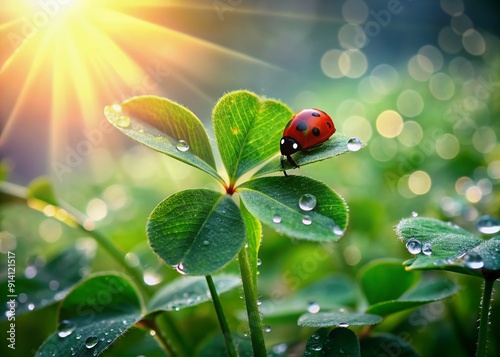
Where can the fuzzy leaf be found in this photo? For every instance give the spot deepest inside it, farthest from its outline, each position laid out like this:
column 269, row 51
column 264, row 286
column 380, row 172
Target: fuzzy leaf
column 190, row 291
column 453, row 248
column 337, row 343
column 248, row 129
column 160, row 124
column 93, row 316
column 386, row 344
column 336, row 145
column 275, row 202
column 198, row 231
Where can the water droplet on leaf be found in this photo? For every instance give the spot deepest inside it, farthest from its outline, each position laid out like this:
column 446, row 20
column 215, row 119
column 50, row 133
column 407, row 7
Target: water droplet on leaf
column 337, row 230
column 315, row 347
column 267, row 328
column 354, row 144
column 259, row 262
column 473, row 260
column 306, row 220
column 123, row 121
column 488, row 225
column 414, row 214
column 206, row 242
column 182, row 145
column 180, row 269
column 313, row 307
column 414, row 246
column 91, row 342
column 65, row 328
column 307, row 202
column 427, row 248
column 343, row 325
column 276, row 218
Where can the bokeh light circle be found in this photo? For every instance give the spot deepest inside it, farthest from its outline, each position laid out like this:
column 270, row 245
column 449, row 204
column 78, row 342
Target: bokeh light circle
column 419, row 182
column 410, row 103
column 442, row 86
column 355, row 11
column 389, row 123
column 384, row 78
column 357, row 126
column 473, row 42
column 449, row 40
column 484, row 139
column 353, row 63
column 447, row 146
column 412, row 134
column 330, row 63
column 452, row 7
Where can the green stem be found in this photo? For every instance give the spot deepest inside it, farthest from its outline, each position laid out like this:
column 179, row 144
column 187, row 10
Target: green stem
column 483, row 322
column 250, row 292
column 231, row 350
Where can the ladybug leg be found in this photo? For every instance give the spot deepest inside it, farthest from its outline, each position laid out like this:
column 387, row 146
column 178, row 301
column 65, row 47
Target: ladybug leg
column 283, row 164
column 292, row 162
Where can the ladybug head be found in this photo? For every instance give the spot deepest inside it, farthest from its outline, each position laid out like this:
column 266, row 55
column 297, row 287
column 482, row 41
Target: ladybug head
column 288, row 146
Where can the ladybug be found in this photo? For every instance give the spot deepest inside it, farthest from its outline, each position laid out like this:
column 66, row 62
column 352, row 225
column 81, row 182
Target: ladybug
column 307, row 129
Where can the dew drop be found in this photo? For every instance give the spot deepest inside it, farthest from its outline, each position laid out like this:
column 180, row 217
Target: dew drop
column 337, row 230
column 91, row 342
column 473, row 260
column 313, row 307
column 78, row 337
column 427, row 248
column 354, row 144
column 488, row 225
column 259, row 302
column 31, row 306
column 307, row 202
column 267, row 328
column 306, row 220
column 65, row 328
column 414, row 246
column 414, row 214
column 277, row 218
column 280, row 348
column 315, row 336
column 123, row 121
column 182, row 145
column 343, row 325
column 206, row 242
column 180, row 269
column 259, row 262
column 315, row 347
column 117, row 107
column 30, row 272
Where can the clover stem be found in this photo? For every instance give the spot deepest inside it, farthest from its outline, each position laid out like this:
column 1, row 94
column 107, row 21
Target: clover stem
column 484, row 319
column 228, row 338
column 250, row 292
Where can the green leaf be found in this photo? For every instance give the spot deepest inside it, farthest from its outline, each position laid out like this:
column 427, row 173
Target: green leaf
column 336, row 145
column 424, row 293
column 377, row 280
column 254, row 234
column 341, row 319
column 386, row 344
column 41, row 189
column 329, row 293
column 160, row 124
column 275, row 202
column 44, row 284
column 190, row 291
column 196, row 231
column 93, row 316
column 248, row 129
column 453, row 248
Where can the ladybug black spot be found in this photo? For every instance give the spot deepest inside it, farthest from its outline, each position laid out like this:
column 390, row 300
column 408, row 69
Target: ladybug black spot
column 315, row 131
column 302, row 126
column 315, row 114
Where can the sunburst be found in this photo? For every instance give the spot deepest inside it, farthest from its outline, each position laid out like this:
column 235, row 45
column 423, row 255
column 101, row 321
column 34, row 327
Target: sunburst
column 63, row 60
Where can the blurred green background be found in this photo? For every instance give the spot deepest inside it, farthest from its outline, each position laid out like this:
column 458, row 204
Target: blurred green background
column 418, row 81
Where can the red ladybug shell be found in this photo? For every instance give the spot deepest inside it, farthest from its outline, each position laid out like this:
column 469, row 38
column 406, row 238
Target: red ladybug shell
column 308, row 128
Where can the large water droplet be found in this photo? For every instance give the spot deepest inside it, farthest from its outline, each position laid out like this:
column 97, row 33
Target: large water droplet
column 307, row 202
column 306, row 220
column 267, row 328
column 343, row 325
column 414, row 214
column 488, row 225
column 65, row 328
column 180, row 269
column 354, row 144
column 414, row 246
column 91, row 342
column 473, row 260
column 151, row 277
column 182, row 145
column 313, row 307
column 277, row 218
column 427, row 248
